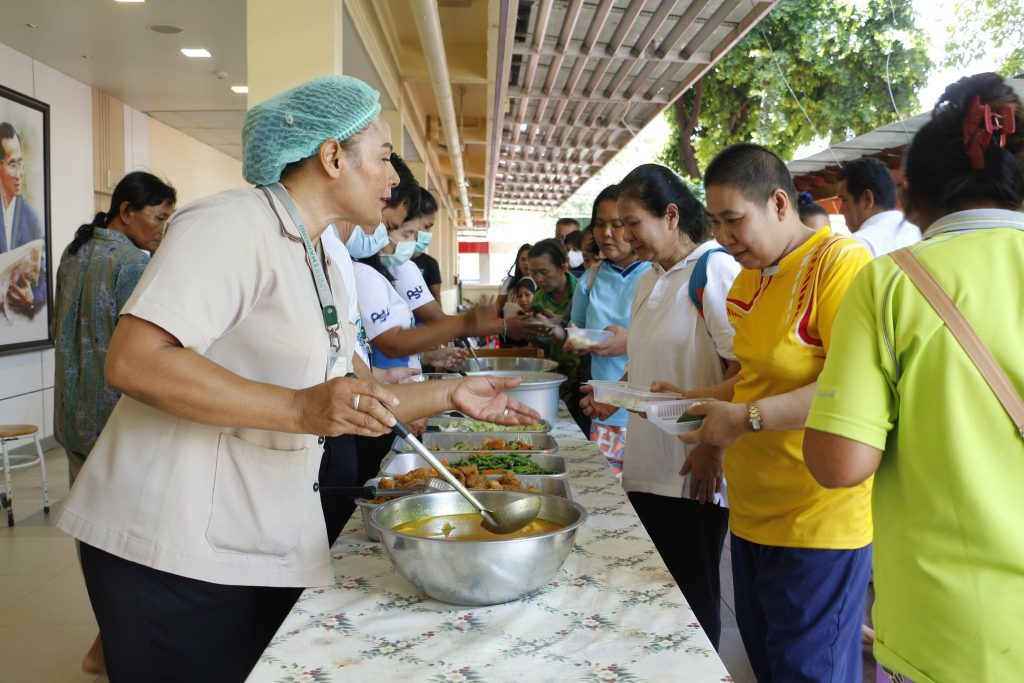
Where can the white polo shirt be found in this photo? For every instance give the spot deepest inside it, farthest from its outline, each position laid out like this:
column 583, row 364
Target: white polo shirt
column 382, row 309
column 232, row 506
column 669, row 341
column 410, row 285
column 887, row 231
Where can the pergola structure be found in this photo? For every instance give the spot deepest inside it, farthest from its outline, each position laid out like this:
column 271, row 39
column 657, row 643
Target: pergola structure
column 584, row 76
column 819, row 173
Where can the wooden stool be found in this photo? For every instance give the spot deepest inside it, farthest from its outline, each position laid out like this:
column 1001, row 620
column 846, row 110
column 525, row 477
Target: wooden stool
column 14, row 433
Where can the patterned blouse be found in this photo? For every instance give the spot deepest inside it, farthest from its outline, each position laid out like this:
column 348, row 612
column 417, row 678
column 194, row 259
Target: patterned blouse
column 92, row 286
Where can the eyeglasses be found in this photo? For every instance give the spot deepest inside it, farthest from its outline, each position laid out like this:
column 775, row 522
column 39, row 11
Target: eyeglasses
column 15, row 166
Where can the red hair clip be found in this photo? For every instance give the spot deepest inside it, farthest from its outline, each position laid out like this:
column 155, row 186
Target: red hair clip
column 980, row 125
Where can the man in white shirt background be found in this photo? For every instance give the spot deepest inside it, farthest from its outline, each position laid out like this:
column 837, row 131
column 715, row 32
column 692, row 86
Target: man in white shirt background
column 868, row 193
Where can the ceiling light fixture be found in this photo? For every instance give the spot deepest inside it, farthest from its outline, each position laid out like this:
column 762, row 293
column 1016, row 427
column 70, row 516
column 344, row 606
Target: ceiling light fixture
column 195, row 52
column 166, row 29
column 240, row 89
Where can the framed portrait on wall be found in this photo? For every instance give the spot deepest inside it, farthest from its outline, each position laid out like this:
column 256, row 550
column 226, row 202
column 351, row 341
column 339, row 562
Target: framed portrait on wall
column 25, row 251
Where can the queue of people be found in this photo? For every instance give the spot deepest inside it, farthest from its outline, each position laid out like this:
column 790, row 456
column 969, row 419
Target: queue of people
column 843, row 423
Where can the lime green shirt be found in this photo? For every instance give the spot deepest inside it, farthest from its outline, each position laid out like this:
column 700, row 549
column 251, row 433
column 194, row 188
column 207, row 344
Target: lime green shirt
column 948, row 498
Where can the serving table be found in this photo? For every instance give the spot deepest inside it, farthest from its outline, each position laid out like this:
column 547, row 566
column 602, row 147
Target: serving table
column 613, row 613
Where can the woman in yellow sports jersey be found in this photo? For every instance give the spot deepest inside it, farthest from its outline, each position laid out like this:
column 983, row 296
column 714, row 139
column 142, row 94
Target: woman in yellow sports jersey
column 800, row 552
column 906, row 400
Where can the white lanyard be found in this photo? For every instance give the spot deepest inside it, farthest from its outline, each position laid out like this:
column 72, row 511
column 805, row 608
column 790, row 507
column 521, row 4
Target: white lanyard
column 337, row 366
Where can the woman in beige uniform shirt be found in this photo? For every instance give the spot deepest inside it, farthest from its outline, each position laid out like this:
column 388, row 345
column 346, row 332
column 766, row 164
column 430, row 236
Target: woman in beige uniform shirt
column 198, row 509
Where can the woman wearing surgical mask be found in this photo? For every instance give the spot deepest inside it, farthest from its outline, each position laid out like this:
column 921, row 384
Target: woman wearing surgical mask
column 428, row 266
column 395, row 339
column 411, row 285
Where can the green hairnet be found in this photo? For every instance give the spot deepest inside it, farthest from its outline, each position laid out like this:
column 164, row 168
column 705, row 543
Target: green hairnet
column 292, row 126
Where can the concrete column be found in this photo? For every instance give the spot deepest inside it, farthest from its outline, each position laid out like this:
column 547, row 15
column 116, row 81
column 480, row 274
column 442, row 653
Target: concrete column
column 288, row 43
column 393, row 117
column 419, row 169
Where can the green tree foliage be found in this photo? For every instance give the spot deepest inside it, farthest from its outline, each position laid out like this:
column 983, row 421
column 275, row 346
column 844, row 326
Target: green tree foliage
column 1000, row 22
column 833, row 53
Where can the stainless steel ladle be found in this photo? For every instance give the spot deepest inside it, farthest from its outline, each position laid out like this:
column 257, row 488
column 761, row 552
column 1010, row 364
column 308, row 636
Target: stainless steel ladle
column 503, row 520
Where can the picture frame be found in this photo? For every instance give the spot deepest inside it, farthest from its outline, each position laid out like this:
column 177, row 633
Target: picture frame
column 26, row 254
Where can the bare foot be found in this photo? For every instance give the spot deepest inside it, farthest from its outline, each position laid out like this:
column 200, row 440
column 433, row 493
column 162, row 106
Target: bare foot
column 93, row 662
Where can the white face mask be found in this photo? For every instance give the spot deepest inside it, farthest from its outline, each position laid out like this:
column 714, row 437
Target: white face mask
column 361, row 245
column 575, row 259
column 403, row 252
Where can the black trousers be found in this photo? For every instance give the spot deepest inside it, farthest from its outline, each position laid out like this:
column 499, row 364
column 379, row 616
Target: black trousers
column 348, row 461
column 163, row 628
column 339, row 466
column 690, row 537
column 572, row 395
column 371, row 450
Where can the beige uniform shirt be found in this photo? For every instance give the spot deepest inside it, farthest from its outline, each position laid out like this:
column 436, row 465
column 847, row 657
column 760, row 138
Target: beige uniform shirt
column 224, row 505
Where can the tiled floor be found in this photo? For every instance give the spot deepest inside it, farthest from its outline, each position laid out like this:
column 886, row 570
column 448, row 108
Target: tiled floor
column 46, row 622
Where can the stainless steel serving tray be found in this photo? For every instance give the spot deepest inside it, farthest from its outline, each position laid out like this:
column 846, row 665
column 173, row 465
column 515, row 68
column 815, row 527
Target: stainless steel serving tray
column 401, row 463
column 450, row 424
column 446, row 442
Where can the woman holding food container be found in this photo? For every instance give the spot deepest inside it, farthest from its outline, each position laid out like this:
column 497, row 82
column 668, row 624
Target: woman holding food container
column 602, row 301
column 198, row 509
column 677, row 490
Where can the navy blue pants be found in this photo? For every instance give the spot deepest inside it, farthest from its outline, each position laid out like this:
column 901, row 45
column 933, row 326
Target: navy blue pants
column 799, row 611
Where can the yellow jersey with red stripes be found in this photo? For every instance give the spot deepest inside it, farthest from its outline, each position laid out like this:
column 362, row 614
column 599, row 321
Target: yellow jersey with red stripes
column 783, row 318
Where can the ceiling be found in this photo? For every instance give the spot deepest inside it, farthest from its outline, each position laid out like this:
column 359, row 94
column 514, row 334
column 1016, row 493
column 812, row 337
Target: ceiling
column 587, row 75
column 109, row 46
column 562, row 84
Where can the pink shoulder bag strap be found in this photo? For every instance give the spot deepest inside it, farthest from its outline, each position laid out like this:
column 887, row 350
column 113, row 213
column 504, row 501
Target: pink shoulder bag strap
column 965, row 334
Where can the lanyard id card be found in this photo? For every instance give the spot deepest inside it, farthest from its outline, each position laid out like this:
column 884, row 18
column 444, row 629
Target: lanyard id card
column 337, row 363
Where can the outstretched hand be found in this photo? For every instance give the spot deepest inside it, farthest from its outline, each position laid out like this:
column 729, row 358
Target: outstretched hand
column 591, row 408
column 482, row 398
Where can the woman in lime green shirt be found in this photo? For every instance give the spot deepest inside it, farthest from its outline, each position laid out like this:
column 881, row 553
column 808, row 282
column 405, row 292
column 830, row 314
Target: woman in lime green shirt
column 899, row 398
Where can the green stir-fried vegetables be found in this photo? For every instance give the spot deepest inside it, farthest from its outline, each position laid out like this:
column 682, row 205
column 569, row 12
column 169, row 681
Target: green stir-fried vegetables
column 513, row 462
column 480, row 426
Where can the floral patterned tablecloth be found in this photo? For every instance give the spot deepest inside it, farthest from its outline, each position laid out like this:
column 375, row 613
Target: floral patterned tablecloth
column 613, row 613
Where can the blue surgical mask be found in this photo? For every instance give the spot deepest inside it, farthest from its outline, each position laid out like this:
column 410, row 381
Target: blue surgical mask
column 361, row 245
column 423, row 240
column 403, row 252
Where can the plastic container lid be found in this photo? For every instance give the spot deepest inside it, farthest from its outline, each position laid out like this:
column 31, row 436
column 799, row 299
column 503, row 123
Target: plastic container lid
column 665, row 415
column 582, row 338
column 627, row 395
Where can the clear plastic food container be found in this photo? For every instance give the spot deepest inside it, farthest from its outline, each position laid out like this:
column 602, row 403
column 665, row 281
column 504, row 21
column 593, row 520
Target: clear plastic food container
column 627, row 395
column 666, row 415
column 581, row 338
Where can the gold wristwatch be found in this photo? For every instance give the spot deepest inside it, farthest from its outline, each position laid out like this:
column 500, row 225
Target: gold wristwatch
column 754, row 417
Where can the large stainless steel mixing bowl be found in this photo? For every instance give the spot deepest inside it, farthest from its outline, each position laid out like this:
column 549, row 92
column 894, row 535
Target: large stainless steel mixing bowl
column 539, row 390
column 476, row 572
column 511, row 363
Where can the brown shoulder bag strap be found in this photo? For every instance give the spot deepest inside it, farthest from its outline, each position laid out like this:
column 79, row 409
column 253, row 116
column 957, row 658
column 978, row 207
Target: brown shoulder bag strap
column 965, row 334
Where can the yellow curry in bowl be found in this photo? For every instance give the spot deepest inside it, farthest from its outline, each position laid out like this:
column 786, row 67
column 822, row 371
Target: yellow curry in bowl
column 467, row 527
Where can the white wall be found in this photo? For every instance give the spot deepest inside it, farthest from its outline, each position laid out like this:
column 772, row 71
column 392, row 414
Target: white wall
column 193, row 168
column 26, row 379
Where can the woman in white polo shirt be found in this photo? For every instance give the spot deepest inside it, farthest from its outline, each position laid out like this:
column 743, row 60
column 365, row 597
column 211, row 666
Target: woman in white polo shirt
column 676, row 489
column 198, row 509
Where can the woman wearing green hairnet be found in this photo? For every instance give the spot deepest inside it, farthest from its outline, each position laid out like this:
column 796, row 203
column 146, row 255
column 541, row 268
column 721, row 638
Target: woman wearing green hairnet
column 198, row 509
